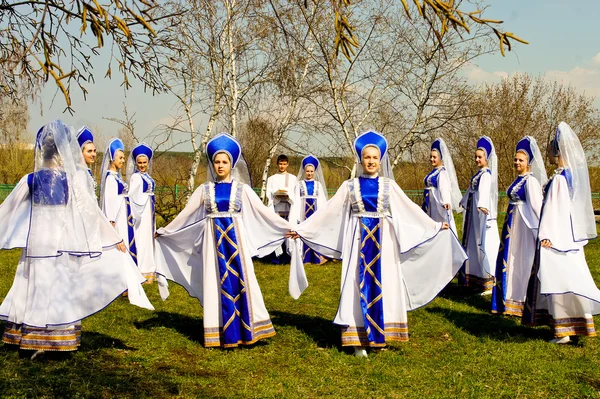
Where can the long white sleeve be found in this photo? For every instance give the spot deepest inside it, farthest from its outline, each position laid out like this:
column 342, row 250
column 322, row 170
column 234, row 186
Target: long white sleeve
column 15, row 212
column 111, row 203
column 445, row 188
column 484, row 190
column 193, row 212
column 555, row 224
column 264, row 229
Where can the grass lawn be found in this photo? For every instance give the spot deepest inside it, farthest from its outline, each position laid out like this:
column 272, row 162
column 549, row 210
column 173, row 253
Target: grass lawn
column 456, row 349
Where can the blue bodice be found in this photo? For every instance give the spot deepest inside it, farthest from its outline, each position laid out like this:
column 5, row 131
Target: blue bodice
column 310, row 187
column 371, row 195
column 48, row 187
column 147, row 183
column 121, row 185
column 517, row 190
column 431, row 180
column 223, row 197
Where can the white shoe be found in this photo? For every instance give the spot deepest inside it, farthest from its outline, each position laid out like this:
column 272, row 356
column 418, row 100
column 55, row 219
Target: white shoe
column 37, row 353
column 486, row 293
column 563, row 340
column 360, row 352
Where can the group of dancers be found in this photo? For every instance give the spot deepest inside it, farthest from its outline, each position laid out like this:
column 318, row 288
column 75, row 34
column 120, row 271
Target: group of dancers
column 396, row 256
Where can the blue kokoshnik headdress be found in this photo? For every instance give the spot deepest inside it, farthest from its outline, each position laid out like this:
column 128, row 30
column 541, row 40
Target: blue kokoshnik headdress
column 370, row 139
column 227, row 144
column 113, row 146
column 373, row 139
column 142, row 149
column 529, row 147
column 310, row 160
column 485, row 143
column 436, row 145
column 84, row 136
column 524, row 145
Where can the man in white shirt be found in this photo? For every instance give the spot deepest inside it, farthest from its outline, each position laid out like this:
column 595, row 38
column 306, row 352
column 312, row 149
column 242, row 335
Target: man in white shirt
column 280, row 187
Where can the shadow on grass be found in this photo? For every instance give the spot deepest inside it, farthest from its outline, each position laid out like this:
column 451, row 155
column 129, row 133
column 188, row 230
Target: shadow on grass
column 466, row 295
column 101, row 368
column 190, row 327
column 322, row 331
column 496, row 327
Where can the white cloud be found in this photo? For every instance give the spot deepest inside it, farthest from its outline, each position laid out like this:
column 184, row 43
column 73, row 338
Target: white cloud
column 584, row 79
column 478, row 75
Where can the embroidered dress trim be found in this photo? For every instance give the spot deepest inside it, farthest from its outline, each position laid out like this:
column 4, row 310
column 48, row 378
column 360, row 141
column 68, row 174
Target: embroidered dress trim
column 355, row 196
column 213, row 336
column 150, row 183
column 303, row 189
column 357, row 336
column 376, row 215
column 429, row 179
column 36, row 338
column 514, row 190
column 383, row 197
column 512, row 308
column 472, row 280
column 574, row 326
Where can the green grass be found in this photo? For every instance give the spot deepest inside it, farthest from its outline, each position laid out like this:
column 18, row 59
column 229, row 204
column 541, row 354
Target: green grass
column 456, row 349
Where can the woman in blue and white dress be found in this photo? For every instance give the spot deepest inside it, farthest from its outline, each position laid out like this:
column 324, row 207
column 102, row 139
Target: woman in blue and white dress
column 519, row 233
column 85, row 138
column 208, row 248
column 395, row 258
column 442, row 194
column 310, row 194
column 73, row 264
column 561, row 291
column 480, row 230
column 141, row 199
column 113, row 195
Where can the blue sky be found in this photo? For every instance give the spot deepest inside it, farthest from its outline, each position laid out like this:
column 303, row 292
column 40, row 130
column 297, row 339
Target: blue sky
column 564, row 46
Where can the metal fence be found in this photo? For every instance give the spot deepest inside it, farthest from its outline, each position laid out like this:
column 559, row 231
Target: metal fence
column 415, row 195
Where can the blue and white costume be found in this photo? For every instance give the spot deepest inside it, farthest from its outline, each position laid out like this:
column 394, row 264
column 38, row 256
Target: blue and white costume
column 309, row 195
column 519, row 233
column 208, row 249
column 395, row 257
column 85, row 136
column 141, row 199
column 480, row 231
column 69, row 267
column 115, row 200
column 561, row 290
column 441, row 188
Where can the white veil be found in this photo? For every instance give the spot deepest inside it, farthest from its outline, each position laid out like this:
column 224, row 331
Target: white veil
column 582, row 212
column 64, row 213
column 318, row 174
column 536, row 164
column 456, row 195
